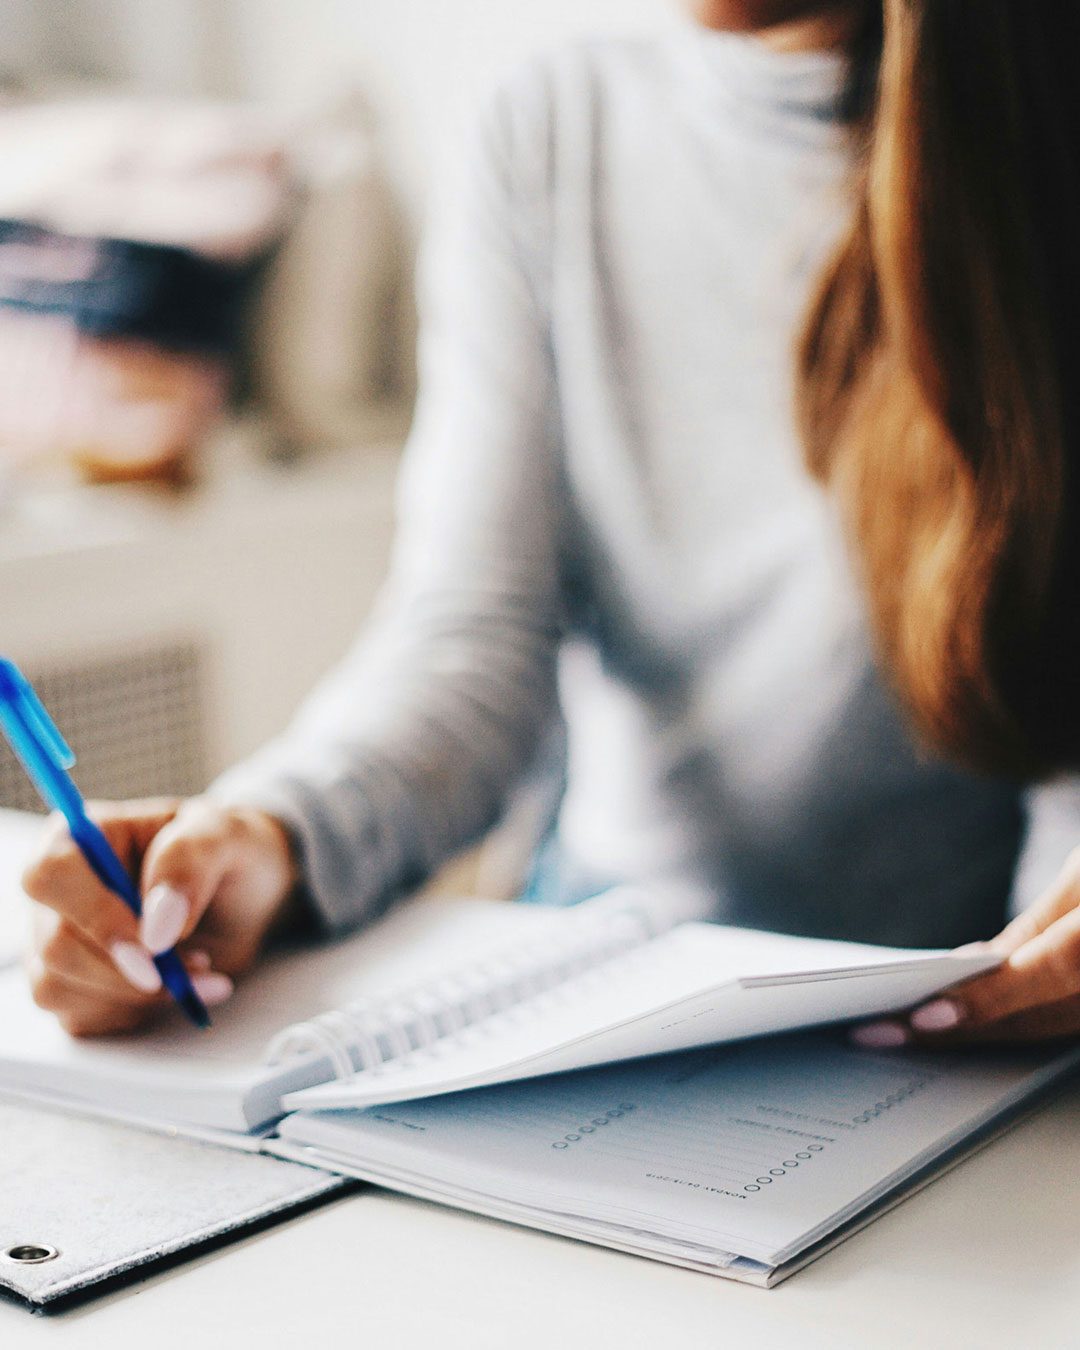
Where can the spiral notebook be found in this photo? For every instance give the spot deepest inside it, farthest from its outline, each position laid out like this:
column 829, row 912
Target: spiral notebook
column 744, row 1161
column 441, row 997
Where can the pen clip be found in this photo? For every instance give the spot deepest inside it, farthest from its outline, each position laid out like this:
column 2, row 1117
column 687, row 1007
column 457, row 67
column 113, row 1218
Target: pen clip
column 39, row 724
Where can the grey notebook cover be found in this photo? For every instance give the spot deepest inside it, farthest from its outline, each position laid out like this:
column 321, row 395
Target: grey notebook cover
column 109, row 1199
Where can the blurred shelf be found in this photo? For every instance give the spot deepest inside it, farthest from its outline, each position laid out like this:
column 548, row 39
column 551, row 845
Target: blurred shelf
column 238, row 487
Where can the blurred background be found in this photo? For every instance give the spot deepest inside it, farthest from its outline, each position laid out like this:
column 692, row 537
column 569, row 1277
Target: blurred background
column 208, row 217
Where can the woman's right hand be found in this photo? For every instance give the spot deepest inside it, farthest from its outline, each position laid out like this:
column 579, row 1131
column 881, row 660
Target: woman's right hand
column 215, row 880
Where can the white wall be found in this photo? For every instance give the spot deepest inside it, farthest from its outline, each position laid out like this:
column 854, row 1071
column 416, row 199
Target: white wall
column 426, row 62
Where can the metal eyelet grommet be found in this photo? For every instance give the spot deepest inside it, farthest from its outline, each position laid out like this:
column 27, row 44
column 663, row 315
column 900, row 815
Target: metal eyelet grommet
column 29, row 1253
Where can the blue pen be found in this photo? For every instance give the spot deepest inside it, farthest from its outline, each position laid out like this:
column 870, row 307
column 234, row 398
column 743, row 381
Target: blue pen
column 47, row 758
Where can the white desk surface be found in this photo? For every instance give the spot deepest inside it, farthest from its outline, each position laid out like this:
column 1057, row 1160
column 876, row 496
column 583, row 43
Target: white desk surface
column 987, row 1256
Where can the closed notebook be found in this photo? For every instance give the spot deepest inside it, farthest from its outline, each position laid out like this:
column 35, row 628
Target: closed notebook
column 84, row 1203
column 446, row 996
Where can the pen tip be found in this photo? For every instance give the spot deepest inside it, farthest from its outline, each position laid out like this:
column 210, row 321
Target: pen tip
column 194, row 1008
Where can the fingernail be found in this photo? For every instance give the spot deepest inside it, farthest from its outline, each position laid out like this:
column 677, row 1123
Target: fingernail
column 213, row 987
column 939, row 1015
column 880, row 1035
column 134, row 963
column 197, row 961
column 165, row 912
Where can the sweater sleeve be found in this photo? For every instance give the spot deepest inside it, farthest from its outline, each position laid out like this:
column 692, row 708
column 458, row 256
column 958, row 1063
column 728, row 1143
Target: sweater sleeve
column 407, row 751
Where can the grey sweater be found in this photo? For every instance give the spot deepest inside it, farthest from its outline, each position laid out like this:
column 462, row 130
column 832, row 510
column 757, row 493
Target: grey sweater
column 606, row 534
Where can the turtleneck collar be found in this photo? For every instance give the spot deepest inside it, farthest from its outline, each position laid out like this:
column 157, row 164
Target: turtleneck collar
column 788, row 96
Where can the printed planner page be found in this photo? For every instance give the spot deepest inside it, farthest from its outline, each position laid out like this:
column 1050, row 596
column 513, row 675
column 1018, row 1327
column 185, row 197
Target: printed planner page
column 757, row 1149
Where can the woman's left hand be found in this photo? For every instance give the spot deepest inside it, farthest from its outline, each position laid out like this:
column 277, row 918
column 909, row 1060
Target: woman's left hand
column 1033, row 995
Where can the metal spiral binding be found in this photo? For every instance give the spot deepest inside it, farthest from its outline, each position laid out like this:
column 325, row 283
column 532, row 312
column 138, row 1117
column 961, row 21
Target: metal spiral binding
column 367, row 1034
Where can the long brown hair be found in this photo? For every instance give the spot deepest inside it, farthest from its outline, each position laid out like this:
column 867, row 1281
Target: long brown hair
column 938, row 378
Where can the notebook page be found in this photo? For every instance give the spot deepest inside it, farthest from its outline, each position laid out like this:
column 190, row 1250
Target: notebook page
column 755, row 1149
column 697, row 984
column 174, row 1069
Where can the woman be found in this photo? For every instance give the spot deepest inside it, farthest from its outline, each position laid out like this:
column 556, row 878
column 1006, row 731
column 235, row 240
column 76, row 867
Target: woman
column 605, row 490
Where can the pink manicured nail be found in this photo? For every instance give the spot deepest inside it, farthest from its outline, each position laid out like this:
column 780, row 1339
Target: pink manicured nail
column 940, row 1015
column 213, row 987
column 197, row 961
column 134, row 963
column 880, row 1035
column 165, row 912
